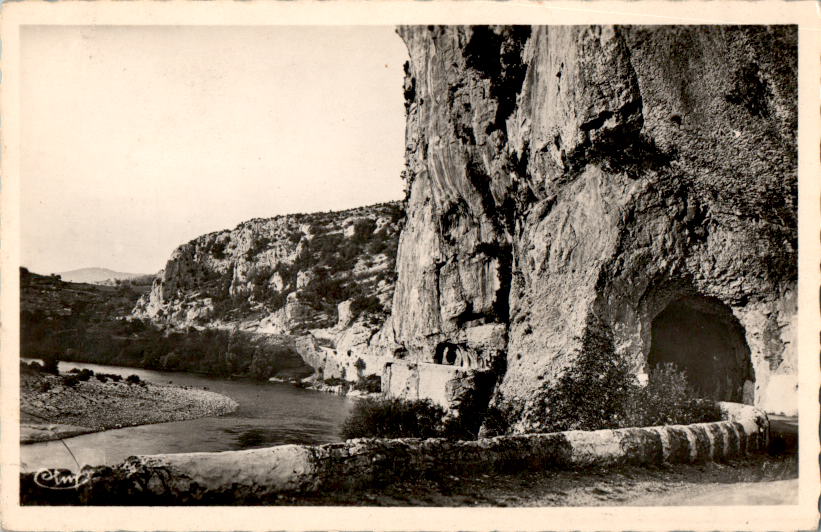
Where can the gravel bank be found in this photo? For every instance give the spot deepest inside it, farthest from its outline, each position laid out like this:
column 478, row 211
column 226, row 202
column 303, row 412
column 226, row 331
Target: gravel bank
column 49, row 410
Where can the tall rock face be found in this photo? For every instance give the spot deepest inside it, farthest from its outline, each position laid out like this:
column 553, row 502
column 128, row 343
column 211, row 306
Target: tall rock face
column 628, row 190
column 326, row 278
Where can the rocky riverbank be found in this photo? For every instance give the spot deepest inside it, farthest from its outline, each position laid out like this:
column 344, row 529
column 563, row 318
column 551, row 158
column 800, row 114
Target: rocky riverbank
column 51, row 409
column 334, row 386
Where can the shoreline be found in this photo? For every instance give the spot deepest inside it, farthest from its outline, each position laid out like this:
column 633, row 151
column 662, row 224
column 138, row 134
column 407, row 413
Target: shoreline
column 335, row 389
column 51, row 410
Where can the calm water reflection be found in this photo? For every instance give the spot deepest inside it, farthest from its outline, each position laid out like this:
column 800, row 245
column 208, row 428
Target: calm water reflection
column 268, row 414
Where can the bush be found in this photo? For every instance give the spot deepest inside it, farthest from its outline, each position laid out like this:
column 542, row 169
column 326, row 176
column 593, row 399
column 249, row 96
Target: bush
column 393, row 418
column 496, row 422
column 133, row 379
column 51, row 365
column 34, row 368
column 369, row 384
column 363, row 230
column 336, row 381
column 85, row 374
column 258, row 246
column 218, row 249
column 101, row 377
column 593, row 393
column 669, row 399
column 602, row 393
column 294, row 237
column 369, row 304
column 70, row 381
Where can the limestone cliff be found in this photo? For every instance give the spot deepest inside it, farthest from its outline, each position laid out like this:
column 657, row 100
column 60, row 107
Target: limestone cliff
column 327, row 278
column 627, row 190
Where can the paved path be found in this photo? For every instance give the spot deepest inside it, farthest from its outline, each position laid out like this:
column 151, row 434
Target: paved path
column 783, row 433
column 716, row 494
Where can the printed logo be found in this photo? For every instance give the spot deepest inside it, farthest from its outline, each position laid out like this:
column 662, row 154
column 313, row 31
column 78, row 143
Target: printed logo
column 60, row 479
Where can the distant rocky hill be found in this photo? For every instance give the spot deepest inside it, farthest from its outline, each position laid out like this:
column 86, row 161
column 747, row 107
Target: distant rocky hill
column 326, row 278
column 99, row 276
column 56, row 315
column 48, row 296
column 85, row 322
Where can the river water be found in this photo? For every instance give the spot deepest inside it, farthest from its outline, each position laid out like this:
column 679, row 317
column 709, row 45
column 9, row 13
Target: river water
column 268, row 414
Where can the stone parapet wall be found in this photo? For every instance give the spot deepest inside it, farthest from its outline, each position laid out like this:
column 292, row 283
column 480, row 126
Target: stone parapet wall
column 258, row 475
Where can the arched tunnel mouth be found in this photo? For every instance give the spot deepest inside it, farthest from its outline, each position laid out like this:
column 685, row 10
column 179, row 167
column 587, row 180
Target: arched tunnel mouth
column 701, row 336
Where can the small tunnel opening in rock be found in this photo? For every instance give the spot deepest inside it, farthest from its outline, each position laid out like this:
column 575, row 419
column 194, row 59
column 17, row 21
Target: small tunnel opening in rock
column 701, row 336
column 445, row 354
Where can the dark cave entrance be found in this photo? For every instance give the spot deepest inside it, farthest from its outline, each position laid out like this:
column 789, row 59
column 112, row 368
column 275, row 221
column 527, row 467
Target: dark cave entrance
column 445, row 354
column 702, row 336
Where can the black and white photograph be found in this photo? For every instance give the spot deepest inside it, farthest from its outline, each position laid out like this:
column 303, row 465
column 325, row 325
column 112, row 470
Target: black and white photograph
column 350, row 265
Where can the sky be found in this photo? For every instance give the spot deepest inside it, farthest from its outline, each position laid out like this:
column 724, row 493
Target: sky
column 138, row 139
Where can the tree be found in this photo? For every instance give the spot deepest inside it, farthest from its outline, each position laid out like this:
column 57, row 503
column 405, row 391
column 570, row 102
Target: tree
column 51, row 364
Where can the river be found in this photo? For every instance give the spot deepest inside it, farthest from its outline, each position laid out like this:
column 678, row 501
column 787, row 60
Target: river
column 268, row 414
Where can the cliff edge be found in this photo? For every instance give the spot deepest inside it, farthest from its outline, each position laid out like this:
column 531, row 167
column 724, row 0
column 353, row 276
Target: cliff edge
column 626, row 191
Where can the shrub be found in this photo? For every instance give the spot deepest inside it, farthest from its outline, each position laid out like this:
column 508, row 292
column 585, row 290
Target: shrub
column 363, row 229
column 594, row 392
column 369, row 384
column 101, row 377
column 294, row 237
column 133, row 379
column 393, row 418
column 375, row 247
column 70, row 381
column 669, row 399
column 258, row 246
column 218, row 249
column 600, row 392
column 275, row 300
column 324, row 292
column 496, row 422
column 366, row 304
column 336, row 381
column 51, row 365
column 327, row 244
column 33, row 368
column 85, row 374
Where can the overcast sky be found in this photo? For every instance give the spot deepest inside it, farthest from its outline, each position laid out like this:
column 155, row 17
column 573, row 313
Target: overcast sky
column 137, row 139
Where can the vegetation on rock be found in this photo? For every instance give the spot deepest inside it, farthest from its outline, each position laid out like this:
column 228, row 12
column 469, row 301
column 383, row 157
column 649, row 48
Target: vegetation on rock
column 84, row 330
column 311, row 262
column 602, row 392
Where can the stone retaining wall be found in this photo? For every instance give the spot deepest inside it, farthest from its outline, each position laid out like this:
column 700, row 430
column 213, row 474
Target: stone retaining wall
column 257, row 475
column 420, row 380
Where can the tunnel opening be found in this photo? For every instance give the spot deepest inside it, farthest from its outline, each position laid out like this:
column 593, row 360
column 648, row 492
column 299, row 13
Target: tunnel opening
column 701, row 336
column 445, row 354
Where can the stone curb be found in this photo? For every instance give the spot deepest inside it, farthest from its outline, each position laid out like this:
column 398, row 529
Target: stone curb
column 257, row 474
